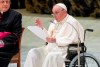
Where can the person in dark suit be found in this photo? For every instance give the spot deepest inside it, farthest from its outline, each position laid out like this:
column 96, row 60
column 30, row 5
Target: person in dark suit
column 10, row 31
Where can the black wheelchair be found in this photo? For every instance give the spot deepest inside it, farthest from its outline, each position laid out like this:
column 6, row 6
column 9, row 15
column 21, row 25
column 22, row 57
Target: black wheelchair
column 85, row 59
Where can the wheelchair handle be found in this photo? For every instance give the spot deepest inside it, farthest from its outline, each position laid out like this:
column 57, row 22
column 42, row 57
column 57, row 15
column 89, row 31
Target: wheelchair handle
column 90, row 30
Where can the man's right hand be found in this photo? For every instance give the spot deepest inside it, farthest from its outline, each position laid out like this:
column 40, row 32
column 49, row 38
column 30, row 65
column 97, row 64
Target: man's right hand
column 38, row 23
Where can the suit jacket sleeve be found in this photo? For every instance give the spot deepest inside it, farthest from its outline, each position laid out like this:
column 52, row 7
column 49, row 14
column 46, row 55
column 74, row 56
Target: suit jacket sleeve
column 15, row 28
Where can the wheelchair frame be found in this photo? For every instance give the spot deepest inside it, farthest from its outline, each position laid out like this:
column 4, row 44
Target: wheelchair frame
column 83, row 57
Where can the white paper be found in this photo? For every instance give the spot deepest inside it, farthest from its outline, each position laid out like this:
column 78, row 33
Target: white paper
column 38, row 32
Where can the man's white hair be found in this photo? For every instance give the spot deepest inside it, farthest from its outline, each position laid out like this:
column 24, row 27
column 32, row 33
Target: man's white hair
column 62, row 6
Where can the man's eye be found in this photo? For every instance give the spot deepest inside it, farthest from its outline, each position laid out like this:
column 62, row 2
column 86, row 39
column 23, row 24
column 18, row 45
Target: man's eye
column 2, row 1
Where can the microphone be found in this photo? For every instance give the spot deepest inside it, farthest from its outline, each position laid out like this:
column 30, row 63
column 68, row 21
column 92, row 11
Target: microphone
column 79, row 41
column 76, row 31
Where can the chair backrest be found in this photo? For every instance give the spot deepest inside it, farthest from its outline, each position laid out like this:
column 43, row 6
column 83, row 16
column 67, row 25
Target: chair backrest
column 21, row 38
column 16, row 58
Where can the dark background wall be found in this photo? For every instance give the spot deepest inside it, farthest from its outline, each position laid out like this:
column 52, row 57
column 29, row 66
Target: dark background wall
column 17, row 4
column 84, row 8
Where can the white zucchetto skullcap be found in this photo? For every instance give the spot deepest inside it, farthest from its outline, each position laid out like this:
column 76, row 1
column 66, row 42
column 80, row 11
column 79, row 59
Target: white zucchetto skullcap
column 62, row 6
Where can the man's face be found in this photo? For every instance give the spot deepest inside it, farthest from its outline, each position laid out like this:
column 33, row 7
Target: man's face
column 4, row 5
column 58, row 13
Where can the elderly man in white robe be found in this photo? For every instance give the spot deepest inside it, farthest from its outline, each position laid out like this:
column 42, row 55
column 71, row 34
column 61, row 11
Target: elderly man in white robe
column 64, row 30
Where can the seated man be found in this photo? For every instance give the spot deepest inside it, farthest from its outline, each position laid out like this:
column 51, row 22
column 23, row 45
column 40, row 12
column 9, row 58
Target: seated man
column 10, row 31
column 64, row 30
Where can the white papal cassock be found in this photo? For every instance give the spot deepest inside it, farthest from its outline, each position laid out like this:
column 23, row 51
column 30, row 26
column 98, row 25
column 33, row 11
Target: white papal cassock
column 53, row 54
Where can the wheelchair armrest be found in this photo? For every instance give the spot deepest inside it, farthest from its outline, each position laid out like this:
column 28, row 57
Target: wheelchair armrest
column 72, row 50
column 80, row 45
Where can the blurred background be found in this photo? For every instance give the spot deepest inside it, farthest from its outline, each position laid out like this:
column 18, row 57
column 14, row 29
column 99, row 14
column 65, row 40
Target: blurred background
column 87, row 12
column 85, row 8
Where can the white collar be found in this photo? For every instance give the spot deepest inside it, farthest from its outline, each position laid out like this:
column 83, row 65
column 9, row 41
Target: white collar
column 1, row 12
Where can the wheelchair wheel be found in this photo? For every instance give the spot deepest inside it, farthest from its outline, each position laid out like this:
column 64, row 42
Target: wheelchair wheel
column 86, row 60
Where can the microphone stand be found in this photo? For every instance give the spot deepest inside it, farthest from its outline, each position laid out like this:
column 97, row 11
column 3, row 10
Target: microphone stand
column 78, row 49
